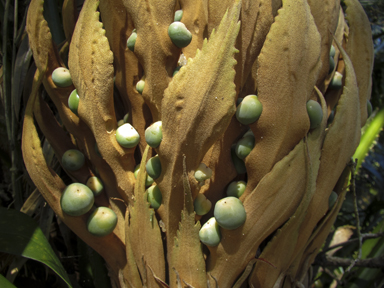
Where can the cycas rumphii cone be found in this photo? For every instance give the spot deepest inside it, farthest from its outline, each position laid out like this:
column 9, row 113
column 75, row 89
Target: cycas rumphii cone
column 278, row 50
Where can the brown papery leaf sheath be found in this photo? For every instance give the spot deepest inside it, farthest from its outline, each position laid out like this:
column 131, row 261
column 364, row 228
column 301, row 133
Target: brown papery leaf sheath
column 275, row 49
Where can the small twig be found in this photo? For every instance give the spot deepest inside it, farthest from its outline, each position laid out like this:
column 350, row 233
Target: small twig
column 118, row 199
column 333, row 276
column 363, row 237
column 330, row 261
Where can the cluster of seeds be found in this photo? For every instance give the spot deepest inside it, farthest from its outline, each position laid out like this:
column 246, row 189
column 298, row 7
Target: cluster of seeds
column 78, row 199
column 229, row 212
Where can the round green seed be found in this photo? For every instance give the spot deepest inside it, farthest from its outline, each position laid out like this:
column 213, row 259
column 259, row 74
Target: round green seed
column 237, row 162
column 73, row 101
column 94, row 183
column 210, row 233
column 332, row 199
column 148, row 181
column 315, row 113
column 249, row 133
column 178, row 15
column 154, row 134
column 331, row 65
column 132, row 40
column 244, row 146
column 140, row 86
column 332, row 51
column 127, row 136
column 179, row 34
column 203, row 172
column 73, row 160
column 61, row 77
column 154, row 196
column 337, row 81
column 102, row 222
column 120, row 122
column 229, row 213
column 202, row 205
column 77, row 199
column 153, row 167
column 249, row 110
column 126, row 116
column 236, row 188
column 176, row 70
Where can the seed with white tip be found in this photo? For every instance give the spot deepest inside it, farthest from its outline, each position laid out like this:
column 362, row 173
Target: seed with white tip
column 127, row 136
column 210, row 234
column 202, row 205
column 203, row 172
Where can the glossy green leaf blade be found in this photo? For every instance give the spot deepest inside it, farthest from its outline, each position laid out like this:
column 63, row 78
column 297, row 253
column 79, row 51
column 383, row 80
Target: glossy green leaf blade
column 368, row 138
column 371, row 248
column 5, row 283
column 22, row 236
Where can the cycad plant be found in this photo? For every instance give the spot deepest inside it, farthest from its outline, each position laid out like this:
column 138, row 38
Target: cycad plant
column 204, row 139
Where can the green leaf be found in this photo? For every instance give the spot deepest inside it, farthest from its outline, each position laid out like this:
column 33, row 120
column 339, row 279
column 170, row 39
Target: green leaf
column 22, row 236
column 5, row 283
column 370, row 135
column 364, row 276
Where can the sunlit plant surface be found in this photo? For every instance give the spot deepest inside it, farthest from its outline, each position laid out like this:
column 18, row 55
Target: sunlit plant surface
column 252, row 101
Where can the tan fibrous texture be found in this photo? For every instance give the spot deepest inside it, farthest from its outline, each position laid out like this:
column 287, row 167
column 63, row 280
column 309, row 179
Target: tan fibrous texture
column 275, row 49
column 360, row 50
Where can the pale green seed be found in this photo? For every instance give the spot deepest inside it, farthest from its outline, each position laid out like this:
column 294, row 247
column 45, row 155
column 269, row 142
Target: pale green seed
column 249, row 110
column 179, row 34
column 202, row 205
column 203, row 172
column 132, row 41
column 244, row 146
column 332, row 51
column 148, row 180
column 61, row 77
column 332, row 199
column 337, row 81
column 315, row 113
column 154, row 134
column 140, row 86
column 102, row 222
column 94, row 183
column 153, row 167
column 154, row 196
column 73, row 101
column 72, row 160
column 210, row 233
column 237, row 162
column 77, row 199
column 229, row 213
column 236, row 188
column 178, row 15
column 127, row 136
